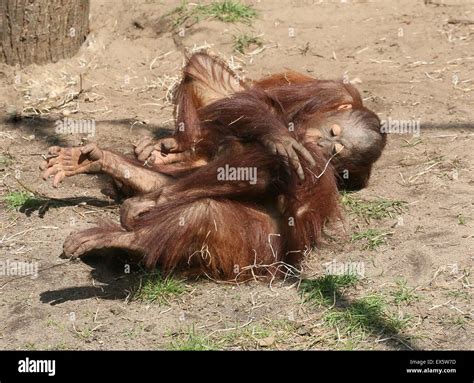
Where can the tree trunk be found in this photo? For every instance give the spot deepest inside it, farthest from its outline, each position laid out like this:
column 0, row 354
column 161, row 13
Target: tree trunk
column 41, row 31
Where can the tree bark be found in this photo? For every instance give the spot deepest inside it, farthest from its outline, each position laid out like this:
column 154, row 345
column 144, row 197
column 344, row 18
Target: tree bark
column 41, row 31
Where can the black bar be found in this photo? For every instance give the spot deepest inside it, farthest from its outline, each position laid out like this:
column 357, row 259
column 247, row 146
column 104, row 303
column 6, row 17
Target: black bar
column 136, row 366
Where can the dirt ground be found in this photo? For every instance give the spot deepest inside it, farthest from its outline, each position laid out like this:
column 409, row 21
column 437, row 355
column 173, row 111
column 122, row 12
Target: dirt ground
column 410, row 60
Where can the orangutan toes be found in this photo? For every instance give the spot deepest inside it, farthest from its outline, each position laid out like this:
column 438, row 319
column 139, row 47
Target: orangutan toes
column 77, row 244
column 82, row 242
column 66, row 162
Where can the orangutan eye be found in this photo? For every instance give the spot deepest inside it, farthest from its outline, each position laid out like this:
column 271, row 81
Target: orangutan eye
column 336, row 130
column 337, row 148
column 344, row 106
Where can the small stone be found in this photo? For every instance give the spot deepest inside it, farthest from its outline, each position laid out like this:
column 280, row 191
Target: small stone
column 150, row 327
column 116, row 311
column 302, row 331
column 266, row 342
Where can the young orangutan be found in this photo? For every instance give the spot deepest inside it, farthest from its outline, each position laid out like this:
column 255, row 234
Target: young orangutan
column 184, row 217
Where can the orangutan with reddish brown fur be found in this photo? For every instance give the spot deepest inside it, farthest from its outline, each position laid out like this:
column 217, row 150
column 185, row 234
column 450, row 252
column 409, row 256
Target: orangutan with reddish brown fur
column 303, row 137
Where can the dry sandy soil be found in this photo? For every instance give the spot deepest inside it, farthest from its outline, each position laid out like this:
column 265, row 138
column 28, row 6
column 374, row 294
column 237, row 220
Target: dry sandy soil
column 410, row 60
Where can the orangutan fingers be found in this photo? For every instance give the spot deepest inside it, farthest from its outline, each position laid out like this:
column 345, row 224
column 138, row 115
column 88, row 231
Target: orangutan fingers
column 304, row 153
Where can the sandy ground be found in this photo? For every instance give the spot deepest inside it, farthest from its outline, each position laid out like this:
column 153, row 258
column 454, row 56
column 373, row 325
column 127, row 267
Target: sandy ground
column 409, row 63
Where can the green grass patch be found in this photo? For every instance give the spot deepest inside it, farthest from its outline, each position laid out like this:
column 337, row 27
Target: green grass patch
column 5, row 160
column 365, row 315
column 227, row 11
column 192, row 341
column 376, row 209
column 404, row 294
column 324, row 290
column 372, row 238
column 20, row 199
column 360, row 317
column 243, row 42
column 459, row 321
column 158, row 289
